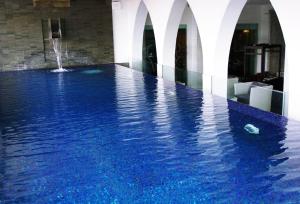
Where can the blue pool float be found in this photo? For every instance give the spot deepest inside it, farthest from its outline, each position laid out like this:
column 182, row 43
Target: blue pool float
column 251, row 129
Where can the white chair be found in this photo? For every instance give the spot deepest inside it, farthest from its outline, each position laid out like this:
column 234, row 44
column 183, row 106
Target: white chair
column 261, row 97
column 242, row 88
column 230, row 87
column 256, row 96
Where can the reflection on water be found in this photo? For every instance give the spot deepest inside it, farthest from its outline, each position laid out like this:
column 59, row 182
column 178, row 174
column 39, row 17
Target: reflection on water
column 122, row 136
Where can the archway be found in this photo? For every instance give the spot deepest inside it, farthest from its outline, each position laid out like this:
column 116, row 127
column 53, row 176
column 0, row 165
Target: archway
column 257, row 57
column 188, row 51
column 182, row 51
column 143, row 42
column 149, row 49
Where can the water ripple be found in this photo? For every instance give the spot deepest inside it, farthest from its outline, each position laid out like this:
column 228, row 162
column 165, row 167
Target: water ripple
column 124, row 137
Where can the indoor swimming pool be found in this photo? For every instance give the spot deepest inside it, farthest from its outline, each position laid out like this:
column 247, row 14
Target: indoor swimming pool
column 110, row 134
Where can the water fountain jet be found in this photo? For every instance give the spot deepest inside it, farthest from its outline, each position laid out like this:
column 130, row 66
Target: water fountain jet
column 56, row 43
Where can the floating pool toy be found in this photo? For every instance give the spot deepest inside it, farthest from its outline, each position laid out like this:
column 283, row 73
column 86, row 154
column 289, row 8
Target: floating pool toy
column 251, row 129
column 95, row 71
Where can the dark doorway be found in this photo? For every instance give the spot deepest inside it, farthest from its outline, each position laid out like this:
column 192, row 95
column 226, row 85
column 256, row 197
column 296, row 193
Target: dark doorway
column 181, row 56
column 149, row 52
column 244, row 35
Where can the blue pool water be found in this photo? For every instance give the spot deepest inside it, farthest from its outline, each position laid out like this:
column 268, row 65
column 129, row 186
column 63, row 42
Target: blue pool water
column 113, row 135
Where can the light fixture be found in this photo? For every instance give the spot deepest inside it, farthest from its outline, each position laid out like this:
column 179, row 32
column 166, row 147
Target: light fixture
column 246, row 31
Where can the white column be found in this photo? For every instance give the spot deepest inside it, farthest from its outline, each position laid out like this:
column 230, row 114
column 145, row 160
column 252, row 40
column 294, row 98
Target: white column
column 209, row 17
column 136, row 60
column 169, row 44
column 120, row 32
column 194, row 51
column 288, row 13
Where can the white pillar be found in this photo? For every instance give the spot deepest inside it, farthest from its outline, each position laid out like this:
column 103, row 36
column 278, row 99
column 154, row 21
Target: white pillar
column 169, row 44
column 194, row 51
column 136, row 60
column 209, row 17
column 289, row 15
column 120, row 32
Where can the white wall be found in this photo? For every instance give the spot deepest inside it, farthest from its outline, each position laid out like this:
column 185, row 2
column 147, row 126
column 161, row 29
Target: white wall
column 258, row 14
column 216, row 21
column 120, row 31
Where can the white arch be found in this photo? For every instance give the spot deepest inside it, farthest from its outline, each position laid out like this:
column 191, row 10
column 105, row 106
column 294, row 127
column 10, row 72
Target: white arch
column 137, row 37
column 171, row 32
column 170, row 36
column 222, row 50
